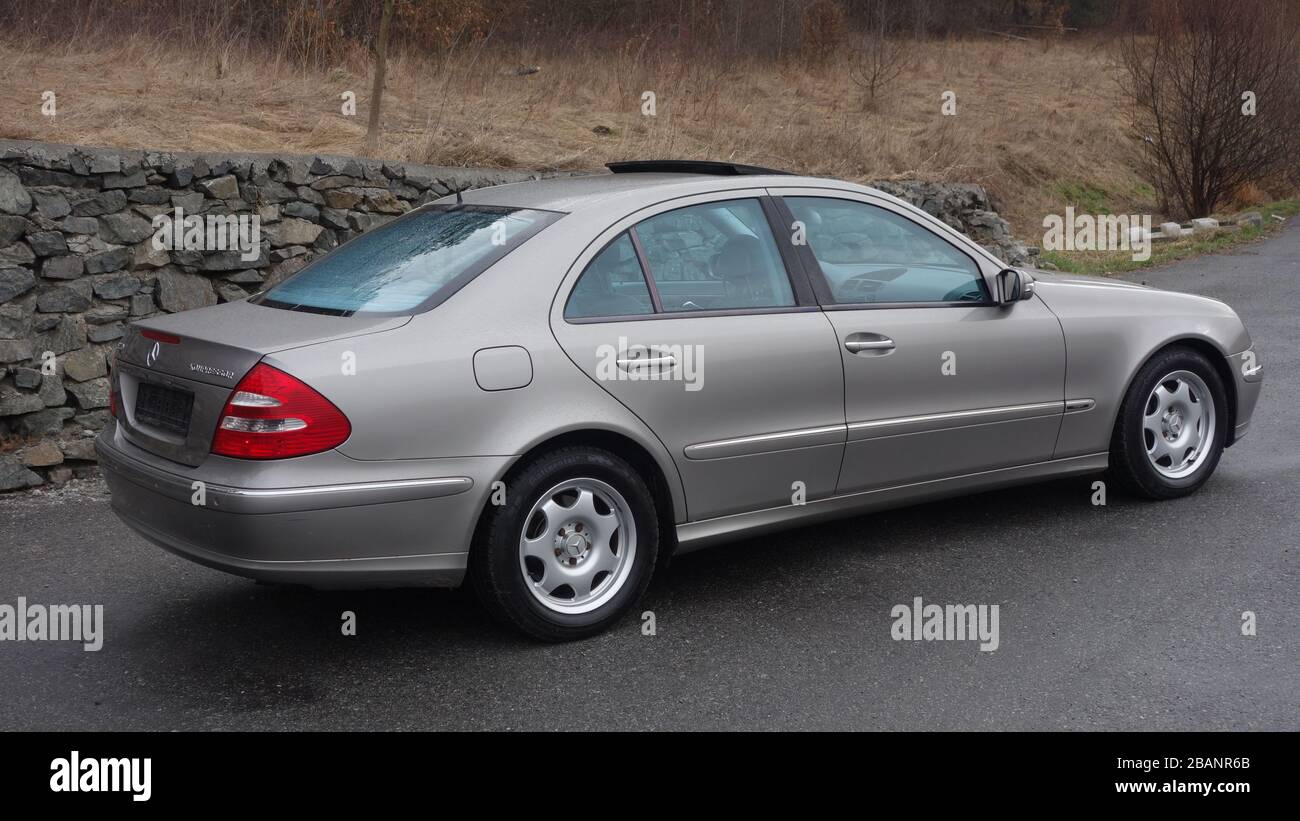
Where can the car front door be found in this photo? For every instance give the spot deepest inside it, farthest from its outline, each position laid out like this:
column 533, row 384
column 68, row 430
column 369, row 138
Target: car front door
column 940, row 381
column 687, row 314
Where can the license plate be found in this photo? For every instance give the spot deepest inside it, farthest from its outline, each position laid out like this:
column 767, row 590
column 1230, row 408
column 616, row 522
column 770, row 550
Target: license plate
column 164, row 408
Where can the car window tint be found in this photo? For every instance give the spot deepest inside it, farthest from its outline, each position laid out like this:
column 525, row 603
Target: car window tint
column 871, row 255
column 715, row 256
column 410, row 263
column 611, row 285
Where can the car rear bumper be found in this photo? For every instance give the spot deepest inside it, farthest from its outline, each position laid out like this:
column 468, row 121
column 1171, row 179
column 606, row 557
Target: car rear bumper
column 376, row 533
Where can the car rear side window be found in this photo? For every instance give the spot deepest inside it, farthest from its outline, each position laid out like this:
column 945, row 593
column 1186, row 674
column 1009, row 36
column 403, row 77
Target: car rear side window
column 612, row 285
column 412, row 263
column 869, row 254
column 717, row 256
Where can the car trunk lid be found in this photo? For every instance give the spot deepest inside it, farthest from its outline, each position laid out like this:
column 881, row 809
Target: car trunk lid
column 174, row 373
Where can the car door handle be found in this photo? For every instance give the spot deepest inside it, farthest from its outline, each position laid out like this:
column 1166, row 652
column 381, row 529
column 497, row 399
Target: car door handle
column 665, row 361
column 865, row 343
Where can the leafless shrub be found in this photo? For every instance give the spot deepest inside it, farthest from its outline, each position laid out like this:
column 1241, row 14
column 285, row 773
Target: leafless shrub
column 881, row 55
column 1192, row 79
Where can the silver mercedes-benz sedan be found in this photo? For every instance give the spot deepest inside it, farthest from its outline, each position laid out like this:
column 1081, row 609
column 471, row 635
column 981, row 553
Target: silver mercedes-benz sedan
column 547, row 388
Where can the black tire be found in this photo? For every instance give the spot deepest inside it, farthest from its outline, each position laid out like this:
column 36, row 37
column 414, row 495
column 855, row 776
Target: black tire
column 494, row 561
column 1129, row 465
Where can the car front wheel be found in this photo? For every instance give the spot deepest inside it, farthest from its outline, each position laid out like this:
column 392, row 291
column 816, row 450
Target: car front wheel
column 1171, row 427
column 573, row 547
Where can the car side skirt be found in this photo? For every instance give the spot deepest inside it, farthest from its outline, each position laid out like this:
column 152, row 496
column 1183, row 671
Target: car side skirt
column 692, row 536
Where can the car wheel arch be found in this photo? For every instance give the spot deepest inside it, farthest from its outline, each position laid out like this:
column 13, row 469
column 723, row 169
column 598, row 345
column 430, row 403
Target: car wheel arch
column 1217, row 359
column 668, row 499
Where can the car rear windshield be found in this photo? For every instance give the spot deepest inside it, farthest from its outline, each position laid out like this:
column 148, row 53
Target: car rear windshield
column 411, row 264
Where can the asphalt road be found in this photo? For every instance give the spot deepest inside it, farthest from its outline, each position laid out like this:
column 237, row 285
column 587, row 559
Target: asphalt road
column 1126, row 616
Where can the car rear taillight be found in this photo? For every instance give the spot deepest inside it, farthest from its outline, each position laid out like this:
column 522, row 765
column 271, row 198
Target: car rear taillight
column 272, row 415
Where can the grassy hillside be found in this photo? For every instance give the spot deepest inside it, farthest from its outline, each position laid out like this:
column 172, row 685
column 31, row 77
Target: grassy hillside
column 1040, row 124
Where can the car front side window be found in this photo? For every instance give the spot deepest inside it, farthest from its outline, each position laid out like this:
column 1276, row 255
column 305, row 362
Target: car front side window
column 870, row 255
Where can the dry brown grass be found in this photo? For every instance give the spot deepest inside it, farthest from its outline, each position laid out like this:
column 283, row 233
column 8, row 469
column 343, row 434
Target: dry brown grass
column 1030, row 119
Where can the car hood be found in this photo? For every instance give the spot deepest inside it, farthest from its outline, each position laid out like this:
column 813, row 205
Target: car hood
column 1068, row 287
column 1073, row 297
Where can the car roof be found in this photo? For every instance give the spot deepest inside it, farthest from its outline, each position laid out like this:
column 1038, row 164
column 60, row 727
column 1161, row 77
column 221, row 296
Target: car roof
column 628, row 192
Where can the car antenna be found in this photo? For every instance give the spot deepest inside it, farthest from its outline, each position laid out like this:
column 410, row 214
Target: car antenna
column 459, row 199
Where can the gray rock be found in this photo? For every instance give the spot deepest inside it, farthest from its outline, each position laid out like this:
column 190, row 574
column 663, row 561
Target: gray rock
column 68, row 266
column 52, row 393
column 27, row 378
column 41, row 455
column 233, row 260
column 248, row 276
column 343, row 198
column 105, row 333
column 337, row 181
column 66, row 334
column 221, row 188
column 14, row 198
column 365, row 222
column 301, row 209
column 47, row 422
column 283, row 270
column 125, row 228
column 150, row 195
column 51, row 203
column 15, row 350
column 190, row 203
column 47, row 243
column 13, row 476
column 15, row 320
column 147, row 256
column 334, row 217
column 104, row 314
column 293, row 170
column 292, row 231
column 104, row 162
column 15, row 282
column 288, row 252
column 13, row 402
column 96, row 205
column 90, row 395
column 114, row 259
column 118, row 286
column 179, row 291
column 80, row 225
column 142, row 305
column 20, row 253
column 35, row 177
column 71, row 298
column 230, row 292
column 1251, row 218
column 133, row 179
column 84, row 365
column 11, row 228
column 92, row 420
column 79, row 450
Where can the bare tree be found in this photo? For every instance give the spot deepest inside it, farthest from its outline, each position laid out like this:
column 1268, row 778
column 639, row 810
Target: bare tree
column 882, row 55
column 1216, row 94
column 380, row 49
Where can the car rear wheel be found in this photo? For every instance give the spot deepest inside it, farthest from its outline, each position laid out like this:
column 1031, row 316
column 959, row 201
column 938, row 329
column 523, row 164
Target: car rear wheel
column 573, row 547
column 1172, row 426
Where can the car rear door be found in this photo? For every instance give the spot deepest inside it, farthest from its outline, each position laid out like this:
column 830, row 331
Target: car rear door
column 940, row 381
column 688, row 314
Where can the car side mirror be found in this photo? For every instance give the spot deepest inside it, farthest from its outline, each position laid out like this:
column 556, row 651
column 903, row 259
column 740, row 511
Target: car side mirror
column 1014, row 285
